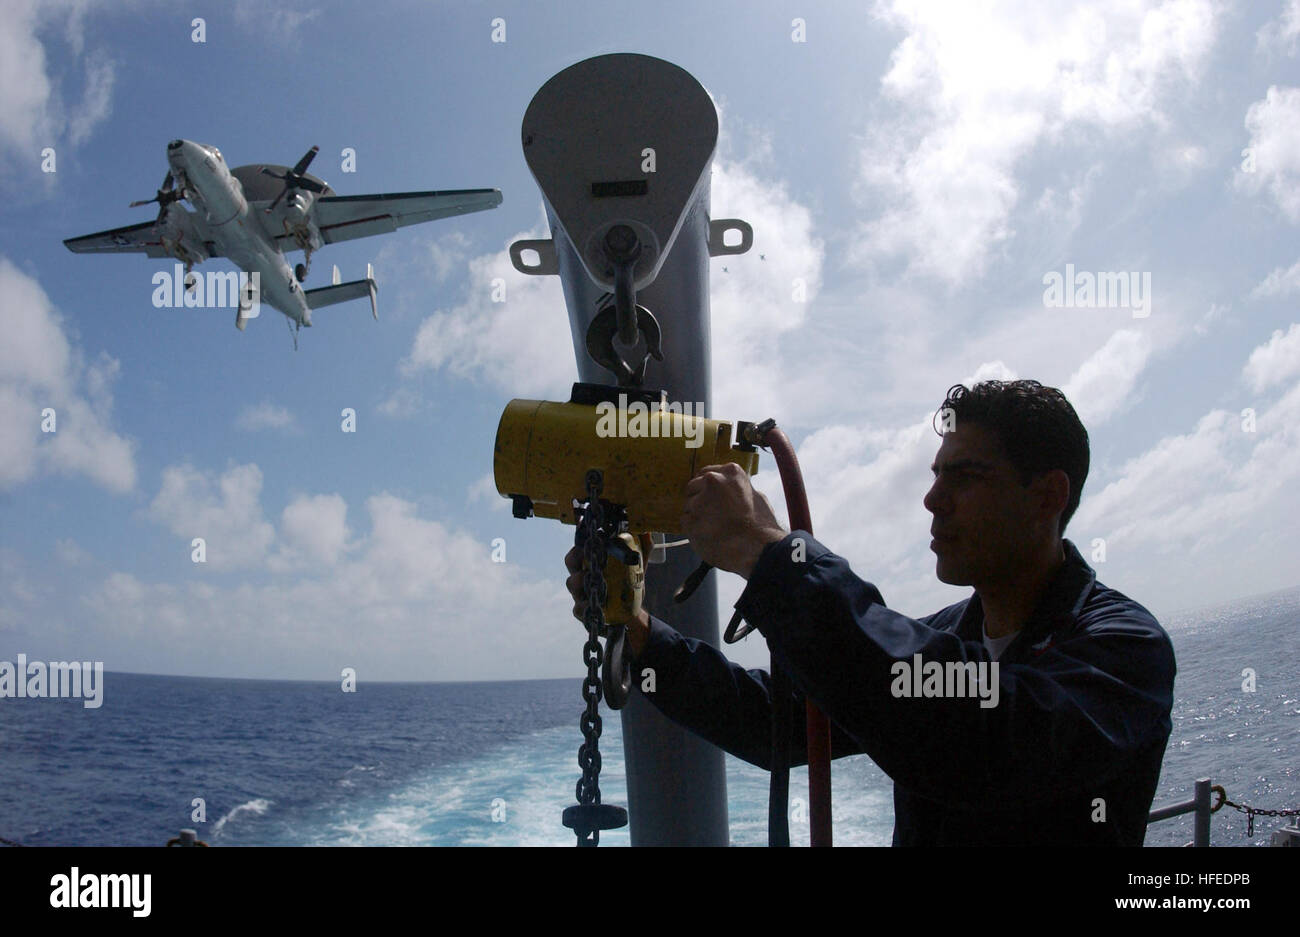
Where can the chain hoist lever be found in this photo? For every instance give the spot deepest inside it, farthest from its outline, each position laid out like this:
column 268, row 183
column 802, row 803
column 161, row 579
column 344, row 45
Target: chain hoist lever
column 691, row 583
column 687, row 588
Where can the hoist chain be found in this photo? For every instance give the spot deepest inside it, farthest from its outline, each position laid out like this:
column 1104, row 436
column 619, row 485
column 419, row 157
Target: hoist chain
column 589, row 817
column 593, row 519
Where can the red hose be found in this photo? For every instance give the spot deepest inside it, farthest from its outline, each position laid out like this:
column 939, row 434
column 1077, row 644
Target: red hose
column 819, row 727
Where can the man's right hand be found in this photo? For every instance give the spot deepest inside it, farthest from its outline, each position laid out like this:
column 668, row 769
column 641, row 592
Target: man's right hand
column 638, row 627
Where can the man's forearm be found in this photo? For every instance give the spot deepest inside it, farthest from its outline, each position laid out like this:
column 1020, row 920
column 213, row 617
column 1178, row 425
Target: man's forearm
column 721, row 701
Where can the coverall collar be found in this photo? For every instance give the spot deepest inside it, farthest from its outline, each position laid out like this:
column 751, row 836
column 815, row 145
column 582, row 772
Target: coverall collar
column 1057, row 609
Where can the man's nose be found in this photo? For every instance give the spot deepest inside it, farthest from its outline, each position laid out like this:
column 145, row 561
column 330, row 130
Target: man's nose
column 934, row 501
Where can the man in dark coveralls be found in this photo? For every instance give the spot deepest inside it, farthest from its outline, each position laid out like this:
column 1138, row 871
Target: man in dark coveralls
column 1069, row 754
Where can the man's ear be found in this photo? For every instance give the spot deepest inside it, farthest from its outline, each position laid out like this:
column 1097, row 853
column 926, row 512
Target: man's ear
column 1053, row 491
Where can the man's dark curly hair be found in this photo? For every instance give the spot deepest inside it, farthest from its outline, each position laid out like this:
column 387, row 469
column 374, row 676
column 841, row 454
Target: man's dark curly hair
column 1036, row 426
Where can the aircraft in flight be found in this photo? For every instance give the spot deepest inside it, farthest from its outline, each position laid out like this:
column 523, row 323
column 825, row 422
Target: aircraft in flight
column 253, row 214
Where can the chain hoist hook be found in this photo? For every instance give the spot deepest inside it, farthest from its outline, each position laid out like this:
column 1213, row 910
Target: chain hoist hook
column 600, row 342
column 619, row 314
column 616, row 674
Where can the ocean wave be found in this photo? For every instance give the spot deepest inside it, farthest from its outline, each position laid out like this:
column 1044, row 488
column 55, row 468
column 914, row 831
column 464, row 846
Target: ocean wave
column 514, row 796
column 255, row 807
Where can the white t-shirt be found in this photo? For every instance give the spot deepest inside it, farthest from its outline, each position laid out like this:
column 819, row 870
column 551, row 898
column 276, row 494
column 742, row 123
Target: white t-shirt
column 997, row 645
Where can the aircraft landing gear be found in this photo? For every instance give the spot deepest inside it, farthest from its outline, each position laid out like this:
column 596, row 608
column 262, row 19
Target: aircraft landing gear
column 302, row 237
column 301, row 270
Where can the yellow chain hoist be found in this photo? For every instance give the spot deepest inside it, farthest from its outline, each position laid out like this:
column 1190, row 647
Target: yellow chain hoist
column 646, row 450
column 614, row 462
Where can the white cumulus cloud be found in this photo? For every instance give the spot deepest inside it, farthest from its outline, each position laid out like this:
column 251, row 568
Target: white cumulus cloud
column 313, row 529
column 511, row 331
column 1283, row 32
column 1273, row 165
column 413, row 599
column 33, row 111
column 978, row 86
column 265, row 415
column 41, row 370
column 1104, row 384
column 1226, row 492
column 1276, row 362
column 1279, row 283
column 225, row 511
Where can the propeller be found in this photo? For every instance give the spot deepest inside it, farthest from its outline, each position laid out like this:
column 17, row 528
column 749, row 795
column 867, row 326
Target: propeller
column 294, row 178
column 166, row 195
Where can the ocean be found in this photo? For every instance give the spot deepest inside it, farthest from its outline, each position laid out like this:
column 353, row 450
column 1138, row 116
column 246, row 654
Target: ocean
column 488, row 764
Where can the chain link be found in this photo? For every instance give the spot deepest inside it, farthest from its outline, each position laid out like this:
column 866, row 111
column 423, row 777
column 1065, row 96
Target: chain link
column 1249, row 811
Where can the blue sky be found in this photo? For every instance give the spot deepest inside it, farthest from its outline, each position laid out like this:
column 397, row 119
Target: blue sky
column 922, row 166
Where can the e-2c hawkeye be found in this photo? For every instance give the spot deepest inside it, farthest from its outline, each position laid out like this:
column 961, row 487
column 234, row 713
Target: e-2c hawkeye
column 252, row 214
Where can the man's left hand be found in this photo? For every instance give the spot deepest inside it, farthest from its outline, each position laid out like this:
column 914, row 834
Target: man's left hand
column 728, row 522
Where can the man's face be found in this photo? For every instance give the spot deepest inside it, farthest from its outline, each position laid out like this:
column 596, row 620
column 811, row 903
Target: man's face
column 984, row 518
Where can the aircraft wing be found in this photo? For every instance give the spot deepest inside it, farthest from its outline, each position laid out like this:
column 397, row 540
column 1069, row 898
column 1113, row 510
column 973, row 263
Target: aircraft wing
column 344, row 217
column 140, row 238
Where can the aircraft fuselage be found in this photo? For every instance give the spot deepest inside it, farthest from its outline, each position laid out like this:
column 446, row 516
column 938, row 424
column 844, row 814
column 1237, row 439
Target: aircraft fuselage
column 235, row 229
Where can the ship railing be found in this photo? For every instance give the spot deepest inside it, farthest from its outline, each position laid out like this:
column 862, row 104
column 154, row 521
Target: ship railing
column 1199, row 805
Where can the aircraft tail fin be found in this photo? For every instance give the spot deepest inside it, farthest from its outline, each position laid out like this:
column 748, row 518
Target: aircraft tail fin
column 343, row 292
